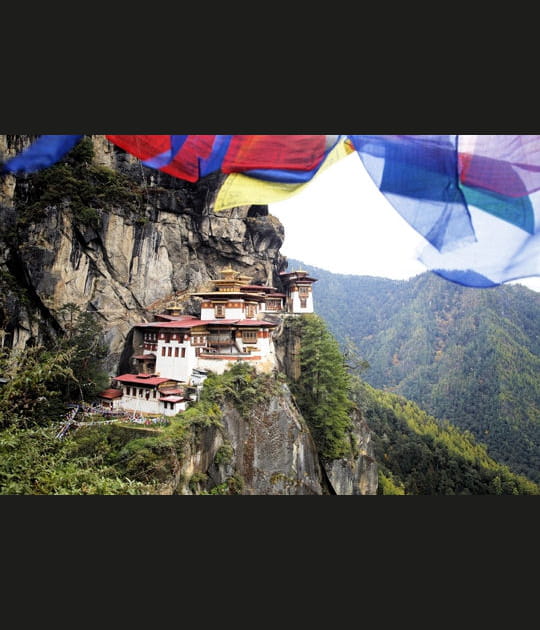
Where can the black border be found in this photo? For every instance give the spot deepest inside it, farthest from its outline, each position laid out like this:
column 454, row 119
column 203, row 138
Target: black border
column 141, row 97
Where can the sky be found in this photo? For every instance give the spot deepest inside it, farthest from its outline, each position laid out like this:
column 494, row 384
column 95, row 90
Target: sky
column 341, row 222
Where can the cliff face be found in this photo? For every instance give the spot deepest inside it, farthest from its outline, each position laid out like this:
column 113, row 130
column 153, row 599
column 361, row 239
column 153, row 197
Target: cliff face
column 358, row 475
column 105, row 233
column 122, row 253
column 352, row 475
column 270, row 452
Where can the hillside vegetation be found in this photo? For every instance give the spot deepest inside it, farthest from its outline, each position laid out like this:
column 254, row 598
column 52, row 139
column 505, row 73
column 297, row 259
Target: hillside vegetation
column 415, row 453
column 466, row 356
column 418, row 455
column 111, row 459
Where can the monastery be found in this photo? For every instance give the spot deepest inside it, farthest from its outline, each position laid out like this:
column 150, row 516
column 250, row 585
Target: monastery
column 176, row 352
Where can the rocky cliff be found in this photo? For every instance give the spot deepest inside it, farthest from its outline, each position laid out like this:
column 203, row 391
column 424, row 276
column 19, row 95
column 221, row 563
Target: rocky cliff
column 269, row 451
column 110, row 236
column 125, row 238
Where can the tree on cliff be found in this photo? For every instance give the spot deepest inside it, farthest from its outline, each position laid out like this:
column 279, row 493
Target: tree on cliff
column 322, row 389
column 84, row 336
column 31, row 395
column 40, row 379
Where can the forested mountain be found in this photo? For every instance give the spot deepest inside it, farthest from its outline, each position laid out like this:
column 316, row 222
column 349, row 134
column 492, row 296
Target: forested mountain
column 418, row 454
column 467, row 356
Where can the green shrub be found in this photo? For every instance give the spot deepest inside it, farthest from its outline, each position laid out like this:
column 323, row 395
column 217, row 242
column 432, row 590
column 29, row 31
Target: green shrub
column 241, row 386
column 224, row 454
column 232, row 485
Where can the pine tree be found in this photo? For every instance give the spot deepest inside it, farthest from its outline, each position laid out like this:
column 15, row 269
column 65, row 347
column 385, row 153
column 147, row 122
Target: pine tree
column 322, row 389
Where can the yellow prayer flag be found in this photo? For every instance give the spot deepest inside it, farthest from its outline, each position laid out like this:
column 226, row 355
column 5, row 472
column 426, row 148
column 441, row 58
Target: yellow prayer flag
column 242, row 190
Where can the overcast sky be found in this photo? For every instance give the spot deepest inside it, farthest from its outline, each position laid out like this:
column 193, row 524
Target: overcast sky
column 341, row 222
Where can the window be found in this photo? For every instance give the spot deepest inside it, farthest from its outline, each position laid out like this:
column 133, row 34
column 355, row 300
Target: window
column 250, row 310
column 249, row 336
column 163, row 351
column 176, row 351
column 219, row 310
column 169, row 351
column 183, row 353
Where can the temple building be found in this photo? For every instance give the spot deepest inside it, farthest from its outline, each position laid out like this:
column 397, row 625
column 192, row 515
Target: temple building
column 299, row 293
column 175, row 352
column 234, row 295
column 146, row 393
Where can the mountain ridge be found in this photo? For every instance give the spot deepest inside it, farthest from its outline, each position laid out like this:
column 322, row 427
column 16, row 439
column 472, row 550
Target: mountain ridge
column 467, row 356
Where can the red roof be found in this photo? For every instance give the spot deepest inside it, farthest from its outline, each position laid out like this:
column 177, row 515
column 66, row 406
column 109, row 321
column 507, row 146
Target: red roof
column 172, row 392
column 238, row 322
column 189, row 322
column 173, row 399
column 148, row 356
column 254, row 322
column 228, row 322
column 142, row 379
column 110, row 393
column 251, row 287
column 223, row 296
column 173, row 317
column 299, row 276
column 192, row 323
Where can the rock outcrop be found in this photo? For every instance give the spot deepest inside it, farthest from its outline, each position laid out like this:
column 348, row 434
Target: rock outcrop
column 355, row 475
column 269, row 452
